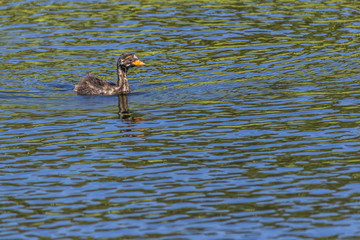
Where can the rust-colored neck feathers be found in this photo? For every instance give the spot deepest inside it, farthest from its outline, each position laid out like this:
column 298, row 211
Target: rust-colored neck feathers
column 122, row 82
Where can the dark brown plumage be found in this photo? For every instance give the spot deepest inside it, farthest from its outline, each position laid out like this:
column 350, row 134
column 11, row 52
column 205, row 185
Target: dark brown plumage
column 92, row 85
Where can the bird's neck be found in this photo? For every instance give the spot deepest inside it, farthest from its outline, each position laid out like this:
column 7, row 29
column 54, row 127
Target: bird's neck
column 122, row 80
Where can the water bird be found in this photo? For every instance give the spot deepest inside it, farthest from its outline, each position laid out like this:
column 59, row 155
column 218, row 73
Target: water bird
column 92, row 85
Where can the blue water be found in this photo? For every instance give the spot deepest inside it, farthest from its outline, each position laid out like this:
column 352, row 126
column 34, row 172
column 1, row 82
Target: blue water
column 243, row 124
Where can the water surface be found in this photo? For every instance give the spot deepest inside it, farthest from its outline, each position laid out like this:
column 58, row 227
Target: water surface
column 243, row 124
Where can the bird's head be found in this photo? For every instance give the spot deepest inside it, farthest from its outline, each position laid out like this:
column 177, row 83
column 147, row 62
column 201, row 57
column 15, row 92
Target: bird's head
column 128, row 60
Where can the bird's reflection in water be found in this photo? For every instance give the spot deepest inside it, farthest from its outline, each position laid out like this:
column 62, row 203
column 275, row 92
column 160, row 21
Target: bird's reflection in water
column 124, row 114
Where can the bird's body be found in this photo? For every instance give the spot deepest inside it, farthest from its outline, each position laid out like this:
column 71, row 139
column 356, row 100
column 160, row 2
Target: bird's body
column 92, row 85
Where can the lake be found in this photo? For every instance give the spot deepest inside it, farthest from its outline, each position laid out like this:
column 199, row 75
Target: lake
column 242, row 124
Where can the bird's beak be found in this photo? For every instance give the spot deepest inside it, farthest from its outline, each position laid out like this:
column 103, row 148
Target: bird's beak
column 138, row 62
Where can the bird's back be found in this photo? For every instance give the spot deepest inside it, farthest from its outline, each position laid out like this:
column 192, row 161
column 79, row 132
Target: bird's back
column 92, row 85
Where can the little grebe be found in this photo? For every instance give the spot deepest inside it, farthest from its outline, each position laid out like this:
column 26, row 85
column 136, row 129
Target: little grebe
column 92, row 85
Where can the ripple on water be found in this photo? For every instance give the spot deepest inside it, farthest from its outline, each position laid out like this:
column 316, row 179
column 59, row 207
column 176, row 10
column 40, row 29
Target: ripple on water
column 242, row 124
